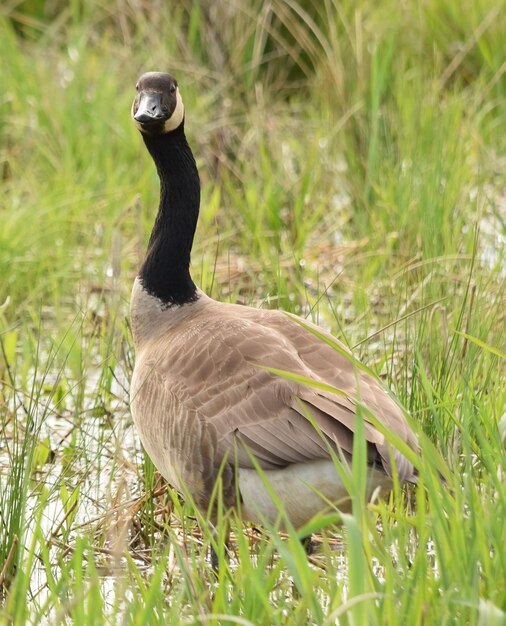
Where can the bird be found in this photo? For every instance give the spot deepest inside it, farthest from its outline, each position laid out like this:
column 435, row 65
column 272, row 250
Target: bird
column 208, row 396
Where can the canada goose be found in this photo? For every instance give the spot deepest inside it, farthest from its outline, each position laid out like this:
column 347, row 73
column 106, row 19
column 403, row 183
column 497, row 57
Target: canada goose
column 201, row 398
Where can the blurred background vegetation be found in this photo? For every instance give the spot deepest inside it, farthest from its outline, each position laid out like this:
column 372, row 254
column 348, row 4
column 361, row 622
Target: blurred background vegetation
column 377, row 119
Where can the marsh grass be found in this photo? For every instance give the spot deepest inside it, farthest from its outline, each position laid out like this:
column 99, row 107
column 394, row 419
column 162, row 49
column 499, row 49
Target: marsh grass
column 352, row 165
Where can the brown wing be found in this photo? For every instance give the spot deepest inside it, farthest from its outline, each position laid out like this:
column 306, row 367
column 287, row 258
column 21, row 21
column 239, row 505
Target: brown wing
column 219, row 378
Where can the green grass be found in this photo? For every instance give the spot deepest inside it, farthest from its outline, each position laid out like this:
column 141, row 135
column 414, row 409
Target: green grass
column 352, row 159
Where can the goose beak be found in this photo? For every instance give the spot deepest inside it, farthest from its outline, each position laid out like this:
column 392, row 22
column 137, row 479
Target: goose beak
column 150, row 109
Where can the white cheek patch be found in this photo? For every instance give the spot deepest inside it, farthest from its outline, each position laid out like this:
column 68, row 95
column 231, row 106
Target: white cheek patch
column 137, row 125
column 177, row 116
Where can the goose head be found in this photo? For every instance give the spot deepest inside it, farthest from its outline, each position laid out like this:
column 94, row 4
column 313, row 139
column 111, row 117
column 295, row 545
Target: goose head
column 158, row 107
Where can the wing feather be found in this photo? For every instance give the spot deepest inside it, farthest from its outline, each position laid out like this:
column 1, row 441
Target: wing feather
column 218, row 380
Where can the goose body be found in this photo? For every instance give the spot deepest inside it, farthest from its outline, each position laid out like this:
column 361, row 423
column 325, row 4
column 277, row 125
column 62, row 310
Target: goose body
column 202, row 399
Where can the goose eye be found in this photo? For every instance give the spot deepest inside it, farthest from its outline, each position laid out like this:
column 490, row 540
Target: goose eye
column 137, row 87
column 173, row 88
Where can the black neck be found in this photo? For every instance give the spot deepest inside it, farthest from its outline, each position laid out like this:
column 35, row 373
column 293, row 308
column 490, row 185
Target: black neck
column 165, row 272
